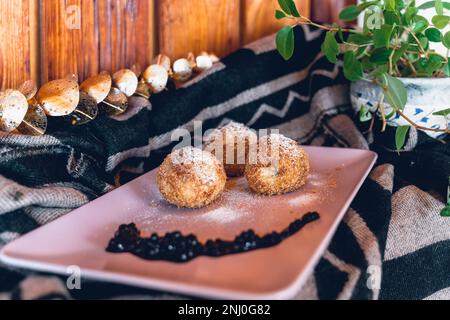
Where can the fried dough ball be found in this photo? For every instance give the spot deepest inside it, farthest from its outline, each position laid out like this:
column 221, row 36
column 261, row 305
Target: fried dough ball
column 191, row 178
column 281, row 166
column 231, row 144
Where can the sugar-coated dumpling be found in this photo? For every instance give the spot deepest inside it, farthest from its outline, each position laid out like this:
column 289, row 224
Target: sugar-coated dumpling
column 191, row 178
column 281, row 166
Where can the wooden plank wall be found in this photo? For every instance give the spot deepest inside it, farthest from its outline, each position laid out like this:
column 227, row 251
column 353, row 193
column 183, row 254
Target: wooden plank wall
column 329, row 9
column 48, row 39
column 259, row 17
column 15, row 45
column 198, row 25
column 102, row 35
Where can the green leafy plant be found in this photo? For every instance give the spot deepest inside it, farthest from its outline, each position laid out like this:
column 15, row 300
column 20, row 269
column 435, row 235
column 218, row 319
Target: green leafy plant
column 394, row 42
column 446, row 211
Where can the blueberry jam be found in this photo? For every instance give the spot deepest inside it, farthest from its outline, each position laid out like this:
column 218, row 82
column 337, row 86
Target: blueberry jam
column 178, row 248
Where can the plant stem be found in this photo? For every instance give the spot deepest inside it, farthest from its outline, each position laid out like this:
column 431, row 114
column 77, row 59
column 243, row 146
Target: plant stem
column 397, row 71
column 372, row 122
column 419, row 126
column 409, row 63
column 415, row 125
column 390, row 61
column 357, row 45
column 417, row 40
column 364, row 53
column 383, row 115
column 306, row 21
column 438, row 54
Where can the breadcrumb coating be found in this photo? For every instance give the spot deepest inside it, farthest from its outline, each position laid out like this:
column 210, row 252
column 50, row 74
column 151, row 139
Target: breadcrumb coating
column 281, row 166
column 191, row 178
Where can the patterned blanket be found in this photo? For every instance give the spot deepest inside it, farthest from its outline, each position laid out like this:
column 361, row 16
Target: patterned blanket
column 392, row 244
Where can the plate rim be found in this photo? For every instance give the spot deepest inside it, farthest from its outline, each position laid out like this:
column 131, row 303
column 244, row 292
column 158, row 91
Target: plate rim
column 152, row 283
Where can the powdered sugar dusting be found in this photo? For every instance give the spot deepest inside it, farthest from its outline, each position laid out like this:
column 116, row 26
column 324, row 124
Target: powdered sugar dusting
column 222, row 215
column 190, row 155
column 237, row 209
column 202, row 164
column 316, row 191
column 305, row 199
column 232, row 130
column 284, row 144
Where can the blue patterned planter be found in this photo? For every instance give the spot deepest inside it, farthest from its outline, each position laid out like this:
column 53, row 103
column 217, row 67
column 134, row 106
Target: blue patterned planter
column 425, row 97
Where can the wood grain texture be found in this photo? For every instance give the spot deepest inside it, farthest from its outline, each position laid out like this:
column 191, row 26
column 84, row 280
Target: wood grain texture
column 198, row 25
column 68, row 39
column 112, row 34
column 35, row 62
column 328, row 10
column 126, row 33
column 41, row 42
column 259, row 17
column 15, row 62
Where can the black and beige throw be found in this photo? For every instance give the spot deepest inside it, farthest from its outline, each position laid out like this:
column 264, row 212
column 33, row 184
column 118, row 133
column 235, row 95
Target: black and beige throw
column 392, row 244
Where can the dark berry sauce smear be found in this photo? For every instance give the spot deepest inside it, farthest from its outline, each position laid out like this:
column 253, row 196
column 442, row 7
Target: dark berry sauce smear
column 175, row 247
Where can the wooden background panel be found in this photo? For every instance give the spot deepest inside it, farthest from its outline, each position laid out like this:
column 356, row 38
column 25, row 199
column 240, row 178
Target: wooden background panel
column 259, row 17
column 198, row 25
column 126, row 33
column 68, row 39
column 328, row 10
column 15, row 35
column 47, row 39
column 139, row 33
column 111, row 34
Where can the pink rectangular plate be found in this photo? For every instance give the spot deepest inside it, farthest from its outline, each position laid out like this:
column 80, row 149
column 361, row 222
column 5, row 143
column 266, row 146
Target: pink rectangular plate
column 80, row 237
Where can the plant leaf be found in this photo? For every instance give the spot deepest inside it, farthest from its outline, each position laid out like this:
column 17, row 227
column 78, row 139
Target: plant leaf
column 363, row 6
column 293, row 8
column 440, row 21
column 400, row 137
column 378, row 71
column 340, row 33
column 400, row 4
column 358, row 38
column 410, row 14
column 364, row 114
column 392, row 17
column 423, row 41
column 433, row 34
column 446, row 40
column 395, row 91
column 432, row 4
column 380, row 56
column 349, row 13
column 446, row 69
column 285, row 42
column 390, row 5
column 435, row 63
column 289, row 7
column 284, row 6
column 353, row 69
column 428, row 66
column 420, row 25
column 330, row 47
column 443, row 113
column 280, row 15
column 382, row 37
column 446, row 211
column 390, row 115
column 400, row 52
column 439, row 7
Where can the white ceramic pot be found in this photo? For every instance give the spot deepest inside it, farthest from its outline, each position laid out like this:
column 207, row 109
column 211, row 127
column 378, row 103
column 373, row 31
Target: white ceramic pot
column 425, row 97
